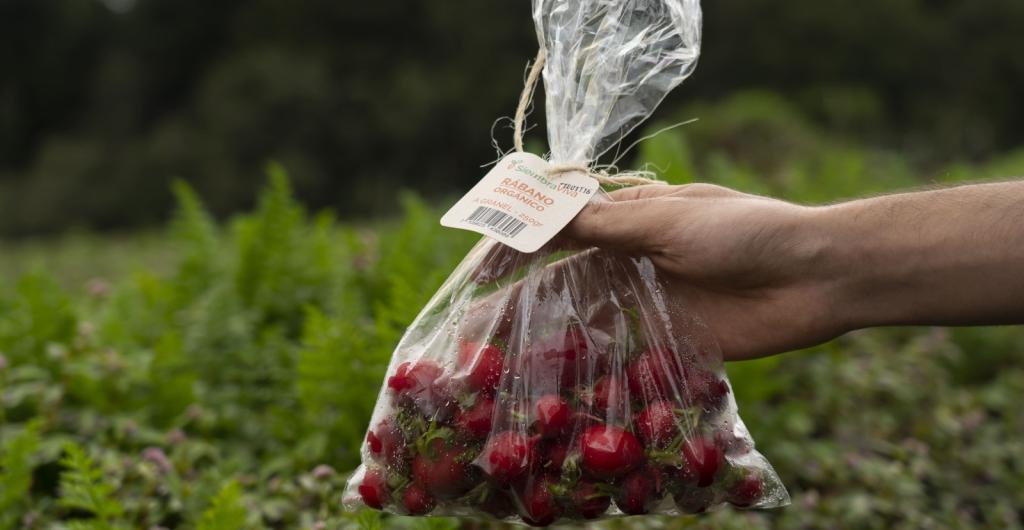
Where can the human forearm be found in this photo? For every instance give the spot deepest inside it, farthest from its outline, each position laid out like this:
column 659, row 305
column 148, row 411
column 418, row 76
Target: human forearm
column 945, row 257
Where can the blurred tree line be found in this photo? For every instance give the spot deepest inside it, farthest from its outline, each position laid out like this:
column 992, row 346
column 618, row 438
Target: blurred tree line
column 103, row 102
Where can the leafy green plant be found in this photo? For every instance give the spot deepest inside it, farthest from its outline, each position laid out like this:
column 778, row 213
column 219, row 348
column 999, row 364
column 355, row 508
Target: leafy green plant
column 368, row 519
column 37, row 316
column 16, row 463
column 226, row 511
column 83, row 487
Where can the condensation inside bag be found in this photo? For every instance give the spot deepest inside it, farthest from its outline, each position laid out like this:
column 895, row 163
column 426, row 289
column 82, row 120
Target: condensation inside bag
column 567, row 385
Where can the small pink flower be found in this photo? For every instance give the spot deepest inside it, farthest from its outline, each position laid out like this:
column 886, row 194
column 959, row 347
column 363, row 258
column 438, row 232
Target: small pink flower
column 158, row 458
column 97, row 287
column 323, row 472
column 176, row 437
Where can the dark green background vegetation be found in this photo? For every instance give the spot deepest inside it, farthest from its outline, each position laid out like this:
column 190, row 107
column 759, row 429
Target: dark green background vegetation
column 100, row 109
column 202, row 364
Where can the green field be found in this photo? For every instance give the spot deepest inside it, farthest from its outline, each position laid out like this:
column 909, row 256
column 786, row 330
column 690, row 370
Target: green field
column 202, row 375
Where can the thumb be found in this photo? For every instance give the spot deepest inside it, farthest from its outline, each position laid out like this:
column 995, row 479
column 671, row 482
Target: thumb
column 632, row 226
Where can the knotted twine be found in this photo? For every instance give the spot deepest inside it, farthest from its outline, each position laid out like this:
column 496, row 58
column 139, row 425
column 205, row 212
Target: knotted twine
column 624, row 178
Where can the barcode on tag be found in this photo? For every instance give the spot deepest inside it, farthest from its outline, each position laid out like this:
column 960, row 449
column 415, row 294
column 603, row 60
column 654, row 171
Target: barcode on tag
column 520, row 203
column 496, row 220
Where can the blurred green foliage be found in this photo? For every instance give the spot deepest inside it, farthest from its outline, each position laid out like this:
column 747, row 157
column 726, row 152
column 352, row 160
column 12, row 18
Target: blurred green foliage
column 227, row 382
column 104, row 102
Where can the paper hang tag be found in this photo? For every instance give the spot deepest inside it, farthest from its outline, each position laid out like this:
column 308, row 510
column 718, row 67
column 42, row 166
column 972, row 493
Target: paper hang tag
column 519, row 204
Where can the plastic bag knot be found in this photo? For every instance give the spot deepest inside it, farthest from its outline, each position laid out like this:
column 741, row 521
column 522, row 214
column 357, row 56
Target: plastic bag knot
column 601, row 175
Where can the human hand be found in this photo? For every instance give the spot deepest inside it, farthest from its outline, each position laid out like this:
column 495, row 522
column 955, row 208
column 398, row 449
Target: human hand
column 769, row 276
column 751, row 266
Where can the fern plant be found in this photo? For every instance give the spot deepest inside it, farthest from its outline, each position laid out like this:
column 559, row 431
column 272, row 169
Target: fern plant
column 284, row 262
column 226, row 511
column 16, row 473
column 37, row 315
column 414, row 259
column 196, row 234
column 340, row 364
column 83, row 488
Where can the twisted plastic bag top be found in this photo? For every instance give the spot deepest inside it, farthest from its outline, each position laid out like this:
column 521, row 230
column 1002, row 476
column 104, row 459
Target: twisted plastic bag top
column 609, row 64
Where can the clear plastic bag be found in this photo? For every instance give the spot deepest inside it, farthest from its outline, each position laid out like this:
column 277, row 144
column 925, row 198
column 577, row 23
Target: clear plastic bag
column 567, row 385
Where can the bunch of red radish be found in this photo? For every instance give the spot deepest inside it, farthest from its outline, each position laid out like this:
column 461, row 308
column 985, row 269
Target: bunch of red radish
column 562, row 429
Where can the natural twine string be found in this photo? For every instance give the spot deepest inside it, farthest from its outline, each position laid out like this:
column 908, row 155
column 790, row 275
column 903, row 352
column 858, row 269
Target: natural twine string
column 624, row 178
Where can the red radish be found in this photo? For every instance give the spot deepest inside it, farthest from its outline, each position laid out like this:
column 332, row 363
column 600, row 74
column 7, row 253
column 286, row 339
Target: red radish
column 442, row 470
column 588, row 500
column 538, row 504
column 374, row 489
column 386, row 442
column 442, row 404
column 701, row 461
column 579, row 440
column 654, row 375
column 746, row 491
column 556, row 361
column 482, row 366
column 423, row 384
column 416, row 500
column 730, row 443
column 578, row 350
column 637, row 492
column 657, row 424
column 706, row 388
column 694, row 500
column 552, row 415
column 475, row 422
column 413, row 377
column 609, row 395
column 505, row 457
column 608, row 452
